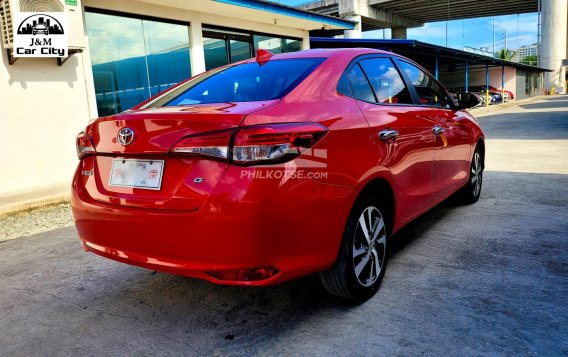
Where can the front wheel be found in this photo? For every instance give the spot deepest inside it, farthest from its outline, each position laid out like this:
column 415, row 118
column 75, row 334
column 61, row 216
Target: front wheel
column 362, row 259
column 472, row 190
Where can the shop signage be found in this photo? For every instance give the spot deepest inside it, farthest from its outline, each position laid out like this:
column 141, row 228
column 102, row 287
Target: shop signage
column 42, row 34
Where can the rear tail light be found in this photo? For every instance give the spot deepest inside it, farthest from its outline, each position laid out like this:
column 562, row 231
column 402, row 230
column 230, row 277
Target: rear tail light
column 254, row 145
column 274, row 143
column 84, row 145
column 214, row 144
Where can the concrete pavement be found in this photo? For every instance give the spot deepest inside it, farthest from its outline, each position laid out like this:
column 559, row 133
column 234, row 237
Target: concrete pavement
column 490, row 278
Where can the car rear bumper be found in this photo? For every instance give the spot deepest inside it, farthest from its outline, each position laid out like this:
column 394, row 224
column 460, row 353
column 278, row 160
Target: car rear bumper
column 293, row 226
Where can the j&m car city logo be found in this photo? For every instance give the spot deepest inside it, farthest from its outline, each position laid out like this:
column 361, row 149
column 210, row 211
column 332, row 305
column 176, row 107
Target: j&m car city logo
column 40, row 34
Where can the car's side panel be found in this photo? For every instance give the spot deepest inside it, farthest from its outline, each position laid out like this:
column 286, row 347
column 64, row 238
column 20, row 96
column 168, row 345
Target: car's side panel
column 452, row 150
column 408, row 157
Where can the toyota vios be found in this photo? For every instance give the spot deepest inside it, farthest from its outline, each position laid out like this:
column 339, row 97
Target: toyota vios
column 277, row 167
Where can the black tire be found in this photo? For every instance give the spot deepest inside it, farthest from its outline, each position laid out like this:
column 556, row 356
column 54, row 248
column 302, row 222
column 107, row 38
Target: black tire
column 471, row 192
column 341, row 279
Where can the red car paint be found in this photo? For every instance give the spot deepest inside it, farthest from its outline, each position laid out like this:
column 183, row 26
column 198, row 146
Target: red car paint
column 511, row 95
column 239, row 225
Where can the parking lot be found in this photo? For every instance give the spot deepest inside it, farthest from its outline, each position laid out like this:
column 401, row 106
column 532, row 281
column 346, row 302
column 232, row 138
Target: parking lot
column 491, row 278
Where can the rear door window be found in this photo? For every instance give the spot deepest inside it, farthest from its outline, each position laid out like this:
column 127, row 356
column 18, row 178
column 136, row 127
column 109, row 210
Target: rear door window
column 246, row 82
column 429, row 92
column 360, row 85
column 386, row 82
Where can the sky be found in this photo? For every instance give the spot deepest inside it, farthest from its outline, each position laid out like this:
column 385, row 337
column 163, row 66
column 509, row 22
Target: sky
column 521, row 29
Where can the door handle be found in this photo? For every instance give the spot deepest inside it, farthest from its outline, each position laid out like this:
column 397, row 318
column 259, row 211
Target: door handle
column 388, row 134
column 437, row 130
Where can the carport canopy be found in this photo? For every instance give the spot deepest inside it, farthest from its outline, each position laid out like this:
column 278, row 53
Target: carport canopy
column 430, row 56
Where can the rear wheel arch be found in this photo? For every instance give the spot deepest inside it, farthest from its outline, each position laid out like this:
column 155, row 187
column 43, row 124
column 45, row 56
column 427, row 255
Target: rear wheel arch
column 481, row 146
column 383, row 191
column 343, row 278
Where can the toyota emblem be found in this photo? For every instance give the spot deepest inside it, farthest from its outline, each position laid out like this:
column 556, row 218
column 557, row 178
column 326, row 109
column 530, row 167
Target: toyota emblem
column 125, row 136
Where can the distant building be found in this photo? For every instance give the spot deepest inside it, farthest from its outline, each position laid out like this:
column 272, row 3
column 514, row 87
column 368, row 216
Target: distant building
column 522, row 52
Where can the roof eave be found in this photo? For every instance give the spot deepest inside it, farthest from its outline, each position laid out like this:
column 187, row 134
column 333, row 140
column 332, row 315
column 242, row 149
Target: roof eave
column 292, row 12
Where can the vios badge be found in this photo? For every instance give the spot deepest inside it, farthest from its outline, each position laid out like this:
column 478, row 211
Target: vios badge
column 125, row 136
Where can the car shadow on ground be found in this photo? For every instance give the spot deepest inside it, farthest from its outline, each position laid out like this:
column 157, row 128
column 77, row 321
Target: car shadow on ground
column 414, row 230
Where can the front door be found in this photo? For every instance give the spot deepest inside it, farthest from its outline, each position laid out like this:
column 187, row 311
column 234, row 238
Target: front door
column 452, row 147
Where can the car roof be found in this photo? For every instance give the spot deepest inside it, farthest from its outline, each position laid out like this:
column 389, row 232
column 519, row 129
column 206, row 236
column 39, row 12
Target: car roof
column 328, row 53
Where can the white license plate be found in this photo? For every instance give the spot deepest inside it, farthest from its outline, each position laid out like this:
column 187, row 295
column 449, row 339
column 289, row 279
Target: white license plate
column 146, row 174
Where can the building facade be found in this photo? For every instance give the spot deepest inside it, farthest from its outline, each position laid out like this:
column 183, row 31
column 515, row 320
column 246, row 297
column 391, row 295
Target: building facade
column 123, row 53
column 523, row 52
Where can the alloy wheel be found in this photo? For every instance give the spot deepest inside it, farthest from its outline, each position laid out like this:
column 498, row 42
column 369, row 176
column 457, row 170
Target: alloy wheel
column 476, row 173
column 369, row 246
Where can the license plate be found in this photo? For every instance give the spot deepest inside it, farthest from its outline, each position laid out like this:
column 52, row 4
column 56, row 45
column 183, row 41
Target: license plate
column 146, row 174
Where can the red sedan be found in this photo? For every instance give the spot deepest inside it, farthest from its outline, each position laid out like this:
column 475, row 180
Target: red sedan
column 511, row 95
column 277, row 167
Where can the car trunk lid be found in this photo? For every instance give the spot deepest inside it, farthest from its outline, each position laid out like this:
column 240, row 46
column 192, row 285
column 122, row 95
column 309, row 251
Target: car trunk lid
column 186, row 181
column 156, row 130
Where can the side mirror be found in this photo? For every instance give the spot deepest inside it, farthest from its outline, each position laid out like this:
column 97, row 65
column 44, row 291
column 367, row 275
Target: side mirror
column 467, row 100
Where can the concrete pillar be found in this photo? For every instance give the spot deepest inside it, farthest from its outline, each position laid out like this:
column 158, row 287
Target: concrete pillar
column 357, row 31
column 197, row 53
column 399, row 32
column 553, row 41
column 305, row 41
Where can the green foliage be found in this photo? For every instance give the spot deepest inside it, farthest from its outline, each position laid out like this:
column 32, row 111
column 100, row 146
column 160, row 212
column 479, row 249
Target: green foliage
column 505, row 54
column 530, row 60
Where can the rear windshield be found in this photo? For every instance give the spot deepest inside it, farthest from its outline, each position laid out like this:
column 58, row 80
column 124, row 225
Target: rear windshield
column 247, row 82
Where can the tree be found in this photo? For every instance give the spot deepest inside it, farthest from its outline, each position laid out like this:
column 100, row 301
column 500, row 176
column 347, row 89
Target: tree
column 531, row 60
column 505, row 54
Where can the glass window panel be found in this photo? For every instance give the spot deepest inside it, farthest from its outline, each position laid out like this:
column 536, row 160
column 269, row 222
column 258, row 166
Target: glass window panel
column 167, row 54
column 118, row 59
column 360, row 85
column 245, row 82
column 429, row 92
column 215, row 52
column 386, row 81
column 271, row 44
column 276, row 44
column 240, row 50
column 134, row 59
column 291, row 45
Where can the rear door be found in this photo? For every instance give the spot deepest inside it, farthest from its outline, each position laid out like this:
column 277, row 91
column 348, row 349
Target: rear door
column 452, row 140
column 390, row 110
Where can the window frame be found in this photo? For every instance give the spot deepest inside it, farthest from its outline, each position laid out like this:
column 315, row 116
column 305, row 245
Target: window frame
column 397, row 60
column 251, row 33
column 405, row 80
column 242, row 35
column 226, row 35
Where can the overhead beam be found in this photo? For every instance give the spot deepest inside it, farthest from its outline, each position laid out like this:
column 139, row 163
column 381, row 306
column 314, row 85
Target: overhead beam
column 415, row 13
column 349, row 8
column 432, row 11
column 323, row 7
